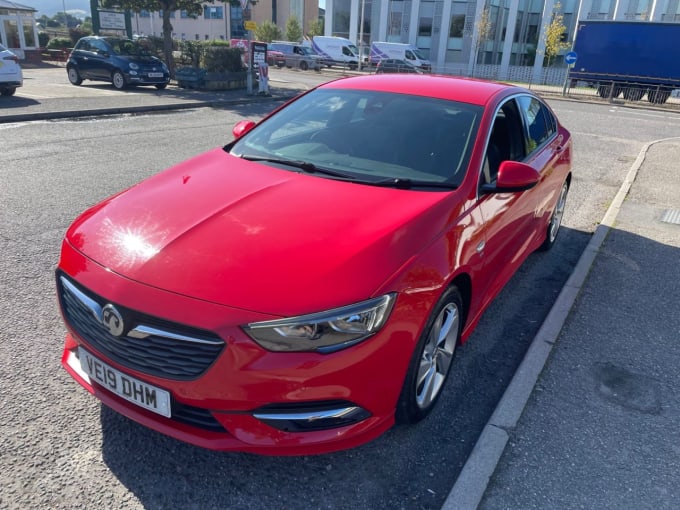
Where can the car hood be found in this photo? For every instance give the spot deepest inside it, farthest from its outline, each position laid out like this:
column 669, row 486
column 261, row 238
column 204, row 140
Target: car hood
column 141, row 59
column 248, row 235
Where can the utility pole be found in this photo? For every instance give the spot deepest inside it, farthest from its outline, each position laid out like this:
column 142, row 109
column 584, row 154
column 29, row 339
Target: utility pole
column 361, row 33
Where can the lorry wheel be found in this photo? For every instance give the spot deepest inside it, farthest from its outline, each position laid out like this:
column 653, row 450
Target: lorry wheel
column 633, row 93
column 658, row 96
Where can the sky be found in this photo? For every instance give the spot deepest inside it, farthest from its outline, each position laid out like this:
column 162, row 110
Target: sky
column 52, row 7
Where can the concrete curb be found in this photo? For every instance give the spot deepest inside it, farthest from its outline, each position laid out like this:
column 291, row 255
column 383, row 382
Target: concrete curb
column 469, row 489
column 185, row 105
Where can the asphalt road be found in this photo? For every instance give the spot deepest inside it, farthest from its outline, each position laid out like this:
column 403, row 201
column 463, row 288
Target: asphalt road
column 59, row 448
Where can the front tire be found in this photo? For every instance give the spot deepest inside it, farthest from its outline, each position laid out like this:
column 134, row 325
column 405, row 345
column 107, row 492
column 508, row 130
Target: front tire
column 304, row 66
column 161, row 86
column 555, row 220
column 432, row 359
column 9, row 91
column 118, row 80
column 74, row 76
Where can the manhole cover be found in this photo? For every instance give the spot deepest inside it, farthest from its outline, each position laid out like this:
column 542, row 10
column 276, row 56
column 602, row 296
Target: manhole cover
column 671, row 216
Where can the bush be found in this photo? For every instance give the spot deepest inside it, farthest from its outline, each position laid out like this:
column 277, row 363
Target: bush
column 59, row 43
column 76, row 33
column 222, row 59
column 43, row 39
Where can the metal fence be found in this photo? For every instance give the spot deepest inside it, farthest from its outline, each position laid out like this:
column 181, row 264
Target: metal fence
column 552, row 81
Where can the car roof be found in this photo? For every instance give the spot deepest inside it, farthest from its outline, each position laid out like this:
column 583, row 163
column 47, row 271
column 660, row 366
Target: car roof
column 466, row 90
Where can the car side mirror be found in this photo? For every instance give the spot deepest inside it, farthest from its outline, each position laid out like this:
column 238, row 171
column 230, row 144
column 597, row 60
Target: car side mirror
column 242, row 127
column 513, row 177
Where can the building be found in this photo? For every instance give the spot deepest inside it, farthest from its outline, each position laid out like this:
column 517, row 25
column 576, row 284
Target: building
column 448, row 31
column 18, row 28
column 221, row 20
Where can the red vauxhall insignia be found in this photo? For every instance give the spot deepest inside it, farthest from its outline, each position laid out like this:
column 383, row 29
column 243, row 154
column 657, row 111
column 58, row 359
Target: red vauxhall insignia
column 304, row 287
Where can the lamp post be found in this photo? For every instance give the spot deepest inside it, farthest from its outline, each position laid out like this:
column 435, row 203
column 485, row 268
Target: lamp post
column 361, row 34
column 63, row 4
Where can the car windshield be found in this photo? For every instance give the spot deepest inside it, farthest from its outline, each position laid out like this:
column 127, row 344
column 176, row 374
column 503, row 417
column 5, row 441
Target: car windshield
column 127, row 47
column 369, row 136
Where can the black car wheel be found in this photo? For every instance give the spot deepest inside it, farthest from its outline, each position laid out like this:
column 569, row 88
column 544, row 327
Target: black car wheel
column 9, row 91
column 303, row 65
column 118, row 80
column 161, row 86
column 74, row 76
column 432, row 359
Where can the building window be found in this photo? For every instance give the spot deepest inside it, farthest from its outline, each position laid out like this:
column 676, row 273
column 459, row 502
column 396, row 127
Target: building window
column 213, row 12
column 237, row 30
column 144, row 14
column 395, row 19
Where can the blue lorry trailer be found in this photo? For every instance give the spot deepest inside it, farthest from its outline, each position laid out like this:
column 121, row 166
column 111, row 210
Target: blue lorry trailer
column 636, row 59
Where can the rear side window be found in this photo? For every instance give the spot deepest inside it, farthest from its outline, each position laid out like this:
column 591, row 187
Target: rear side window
column 541, row 124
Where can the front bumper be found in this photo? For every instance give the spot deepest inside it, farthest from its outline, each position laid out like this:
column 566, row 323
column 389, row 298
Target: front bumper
column 250, row 399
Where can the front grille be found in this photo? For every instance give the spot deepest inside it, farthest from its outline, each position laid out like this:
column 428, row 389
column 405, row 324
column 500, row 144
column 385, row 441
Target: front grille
column 149, row 345
column 196, row 417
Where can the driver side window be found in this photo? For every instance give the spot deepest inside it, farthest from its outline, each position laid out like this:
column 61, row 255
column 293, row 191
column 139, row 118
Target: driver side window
column 505, row 141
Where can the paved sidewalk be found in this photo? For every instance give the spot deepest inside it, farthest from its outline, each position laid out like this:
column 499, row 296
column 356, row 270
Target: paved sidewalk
column 600, row 428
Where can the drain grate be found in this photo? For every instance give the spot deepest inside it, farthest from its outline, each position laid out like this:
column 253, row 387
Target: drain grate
column 671, row 216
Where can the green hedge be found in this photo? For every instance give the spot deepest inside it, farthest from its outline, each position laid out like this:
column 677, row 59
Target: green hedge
column 59, row 43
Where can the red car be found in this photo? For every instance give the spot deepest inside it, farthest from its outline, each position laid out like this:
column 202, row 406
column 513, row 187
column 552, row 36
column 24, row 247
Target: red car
column 304, row 287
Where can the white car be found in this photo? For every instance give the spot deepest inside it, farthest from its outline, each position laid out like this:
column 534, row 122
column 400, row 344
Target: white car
column 11, row 76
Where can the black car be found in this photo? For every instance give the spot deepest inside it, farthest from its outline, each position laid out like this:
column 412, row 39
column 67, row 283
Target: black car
column 395, row 65
column 120, row 61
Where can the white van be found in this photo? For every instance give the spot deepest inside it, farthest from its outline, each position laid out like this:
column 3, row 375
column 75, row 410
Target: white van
column 402, row 51
column 336, row 50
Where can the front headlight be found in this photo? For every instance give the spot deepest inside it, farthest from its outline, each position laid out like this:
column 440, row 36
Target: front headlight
column 133, row 65
column 326, row 331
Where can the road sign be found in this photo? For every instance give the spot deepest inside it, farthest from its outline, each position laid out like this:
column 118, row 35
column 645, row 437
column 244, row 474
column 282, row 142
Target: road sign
column 250, row 25
column 570, row 57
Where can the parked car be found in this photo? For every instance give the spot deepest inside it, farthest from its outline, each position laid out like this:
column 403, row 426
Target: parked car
column 275, row 58
column 301, row 288
column 394, row 65
column 11, row 75
column 117, row 60
column 298, row 56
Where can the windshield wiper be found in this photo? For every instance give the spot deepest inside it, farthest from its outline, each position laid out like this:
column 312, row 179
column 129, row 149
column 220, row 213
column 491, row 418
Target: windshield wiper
column 305, row 166
column 398, row 182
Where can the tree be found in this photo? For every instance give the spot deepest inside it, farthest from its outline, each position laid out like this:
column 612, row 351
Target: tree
column 267, row 32
column 483, row 26
column 553, row 35
column 316, row 27
column 192, row 8
column 293, row 29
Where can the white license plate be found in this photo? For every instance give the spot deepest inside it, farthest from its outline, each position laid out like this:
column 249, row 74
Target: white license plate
column 155, row 75
column 127, row 387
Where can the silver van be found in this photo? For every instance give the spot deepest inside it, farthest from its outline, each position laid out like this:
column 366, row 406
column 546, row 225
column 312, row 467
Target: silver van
column 297, row 55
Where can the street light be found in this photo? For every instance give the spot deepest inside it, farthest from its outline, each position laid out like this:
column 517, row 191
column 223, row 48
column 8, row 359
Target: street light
column 361, row 34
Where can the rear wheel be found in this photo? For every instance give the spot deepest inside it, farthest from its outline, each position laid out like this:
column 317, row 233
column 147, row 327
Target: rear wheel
column 633, row 93
column 659, row 96
column 432, row 359
column 555, row 220
column 118, row 80
column 74, row 76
